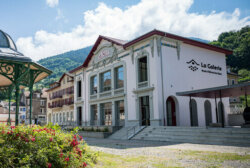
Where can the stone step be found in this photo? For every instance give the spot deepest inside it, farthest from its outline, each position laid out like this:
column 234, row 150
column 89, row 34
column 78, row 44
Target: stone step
column 192, row 129
column 196, row 141
column 120, row 134
column 204, row 138
column 214, row 134
column 225, row 136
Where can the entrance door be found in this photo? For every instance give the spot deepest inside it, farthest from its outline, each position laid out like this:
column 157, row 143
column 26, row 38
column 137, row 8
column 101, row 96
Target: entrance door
column 144, row 109
column 79, row 115
column 171, row 112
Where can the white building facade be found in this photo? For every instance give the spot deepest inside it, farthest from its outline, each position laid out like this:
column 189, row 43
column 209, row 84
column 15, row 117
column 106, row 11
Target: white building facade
column 135, row 83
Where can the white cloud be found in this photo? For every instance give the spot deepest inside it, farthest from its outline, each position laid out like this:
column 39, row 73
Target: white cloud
column 52, row 3
column 167, row 15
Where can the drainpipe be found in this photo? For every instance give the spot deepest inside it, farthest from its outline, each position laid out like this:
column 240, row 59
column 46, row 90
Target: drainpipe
column 85, row 112
column 163, row 109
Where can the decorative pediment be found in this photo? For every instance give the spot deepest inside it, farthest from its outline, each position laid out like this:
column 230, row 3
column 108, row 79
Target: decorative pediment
column 142, row 53
column 105, row 54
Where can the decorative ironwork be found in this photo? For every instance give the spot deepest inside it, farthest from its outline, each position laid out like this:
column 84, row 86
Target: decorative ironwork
column 7, row 70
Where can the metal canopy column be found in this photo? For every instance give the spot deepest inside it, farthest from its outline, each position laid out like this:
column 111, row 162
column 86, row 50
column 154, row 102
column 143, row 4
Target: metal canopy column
column 9, row 96
column 31, row 94
column 17, row 104
column 222, row 111
column 216, row 109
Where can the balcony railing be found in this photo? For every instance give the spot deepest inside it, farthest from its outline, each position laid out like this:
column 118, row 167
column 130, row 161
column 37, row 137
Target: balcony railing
column 62, row 92
column 61, row 103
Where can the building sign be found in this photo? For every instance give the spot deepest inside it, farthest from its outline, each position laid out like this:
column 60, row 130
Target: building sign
column 103, row 56
column 104, row 53
column 204, row 67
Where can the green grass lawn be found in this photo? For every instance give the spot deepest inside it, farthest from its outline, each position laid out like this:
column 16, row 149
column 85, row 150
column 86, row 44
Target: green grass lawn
column 183, row 158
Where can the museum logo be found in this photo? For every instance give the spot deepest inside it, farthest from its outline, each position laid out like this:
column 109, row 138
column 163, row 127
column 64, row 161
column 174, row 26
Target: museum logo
column 207, row 68
column 193, row 65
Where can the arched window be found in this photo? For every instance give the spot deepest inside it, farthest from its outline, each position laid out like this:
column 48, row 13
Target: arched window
column 193, row 113
column 208, row 112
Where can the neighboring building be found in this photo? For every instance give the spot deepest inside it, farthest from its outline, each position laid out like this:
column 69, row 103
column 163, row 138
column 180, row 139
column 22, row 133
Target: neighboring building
column 22, row 111
column 4, row 115
column 39, row 107
column 235, row 117
column 135, row 83
column 232, row 79
column 60, row 98
column 22, row 107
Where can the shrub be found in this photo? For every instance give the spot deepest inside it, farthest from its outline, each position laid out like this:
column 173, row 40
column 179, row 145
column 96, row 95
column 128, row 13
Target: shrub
column 40, row 147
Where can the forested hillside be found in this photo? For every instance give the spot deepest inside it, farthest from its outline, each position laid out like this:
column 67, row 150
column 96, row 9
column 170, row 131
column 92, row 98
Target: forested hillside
column 239, row 42
column 62, row 63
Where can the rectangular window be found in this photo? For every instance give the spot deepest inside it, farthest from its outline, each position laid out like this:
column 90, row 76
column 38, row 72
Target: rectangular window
column 64, row 117
column 54, row 118
column 106, row 112
column 94, row 114
column 42, row 102
column 143, row 69
column 60, row 117
column 71, row 116
column 119, row 78
column 79, row 88
column 68, row 116
column 93, row 84
column 106, row 81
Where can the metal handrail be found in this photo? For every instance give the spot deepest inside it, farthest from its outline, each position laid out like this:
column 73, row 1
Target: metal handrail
column 133, row 128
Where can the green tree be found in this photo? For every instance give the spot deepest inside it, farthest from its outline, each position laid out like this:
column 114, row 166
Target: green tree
column 239, row 42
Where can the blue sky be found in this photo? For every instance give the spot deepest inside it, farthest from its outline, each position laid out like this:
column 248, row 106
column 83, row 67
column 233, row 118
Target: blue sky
column 36, row 25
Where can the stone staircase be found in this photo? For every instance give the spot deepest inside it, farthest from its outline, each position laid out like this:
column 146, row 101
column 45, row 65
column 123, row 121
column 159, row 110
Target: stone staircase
column 120, row 134
column 126, row 132
column 199, row 135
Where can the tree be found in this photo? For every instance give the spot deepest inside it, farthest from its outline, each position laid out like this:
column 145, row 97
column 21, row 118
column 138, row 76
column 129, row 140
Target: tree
column 239, row 42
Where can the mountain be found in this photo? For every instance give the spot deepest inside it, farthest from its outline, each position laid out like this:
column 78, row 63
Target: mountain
column 200, row 40
column 61, row 63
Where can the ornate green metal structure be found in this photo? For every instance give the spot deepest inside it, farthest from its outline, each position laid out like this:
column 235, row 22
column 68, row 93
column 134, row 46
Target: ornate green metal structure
column 17, row 71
